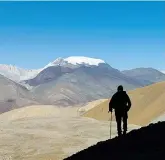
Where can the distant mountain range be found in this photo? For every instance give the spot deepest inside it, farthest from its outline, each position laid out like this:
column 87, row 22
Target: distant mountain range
column 17, row 74
column 72, row 81
column 145, row 75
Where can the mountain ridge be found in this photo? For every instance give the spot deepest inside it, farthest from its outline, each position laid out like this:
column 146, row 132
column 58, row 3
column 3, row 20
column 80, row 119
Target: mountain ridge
column 18, row 74
column 145, row 75
column 76, row 80
column 69, row 85
column 14, row 95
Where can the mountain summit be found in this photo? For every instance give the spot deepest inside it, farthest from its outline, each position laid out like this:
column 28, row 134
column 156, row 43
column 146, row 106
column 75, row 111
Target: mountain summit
column 144, row 75
column 76, row 60
column 78, row 80
column 84, row 60
column 18, row 74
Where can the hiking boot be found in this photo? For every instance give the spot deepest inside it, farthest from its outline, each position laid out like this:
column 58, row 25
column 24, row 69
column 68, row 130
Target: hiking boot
column 119, row 133
column 125, row 132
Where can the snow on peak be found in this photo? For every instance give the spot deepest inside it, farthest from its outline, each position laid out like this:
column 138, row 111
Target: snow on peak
column 18, row 74
column 83, row 60
column 58, row 61
column 75, row 60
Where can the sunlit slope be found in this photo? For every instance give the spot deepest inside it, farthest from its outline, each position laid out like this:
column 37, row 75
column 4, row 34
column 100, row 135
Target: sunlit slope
column 148, row 103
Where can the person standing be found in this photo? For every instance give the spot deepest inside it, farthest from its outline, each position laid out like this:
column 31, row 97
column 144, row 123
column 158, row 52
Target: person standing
column 121, row 103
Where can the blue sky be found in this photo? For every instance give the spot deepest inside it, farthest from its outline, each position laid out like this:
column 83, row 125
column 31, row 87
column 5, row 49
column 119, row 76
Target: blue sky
column 125, row 34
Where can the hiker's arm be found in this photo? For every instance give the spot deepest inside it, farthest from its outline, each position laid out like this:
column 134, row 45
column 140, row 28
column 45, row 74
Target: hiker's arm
column 129, row 102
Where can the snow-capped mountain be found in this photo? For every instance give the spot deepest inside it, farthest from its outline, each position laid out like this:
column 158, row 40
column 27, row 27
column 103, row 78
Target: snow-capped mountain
column 78, row 80
column 76, row 60
column 17, row 74
column 73, row 80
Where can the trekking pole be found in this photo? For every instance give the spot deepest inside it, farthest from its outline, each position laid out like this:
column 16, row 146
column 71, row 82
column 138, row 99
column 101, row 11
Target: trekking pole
column 110, row 125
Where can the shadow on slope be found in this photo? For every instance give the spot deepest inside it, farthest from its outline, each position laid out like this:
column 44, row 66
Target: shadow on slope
column 145, row 143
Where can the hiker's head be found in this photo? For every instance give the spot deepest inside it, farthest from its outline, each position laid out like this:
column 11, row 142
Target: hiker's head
column 120, row 88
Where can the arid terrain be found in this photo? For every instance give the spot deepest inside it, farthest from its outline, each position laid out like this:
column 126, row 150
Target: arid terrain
column 49, row 133
column 148, row 103
column 60, row 64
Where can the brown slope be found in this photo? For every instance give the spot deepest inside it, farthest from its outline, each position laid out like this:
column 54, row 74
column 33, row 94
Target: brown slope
column 147, row 104
column 43, row 132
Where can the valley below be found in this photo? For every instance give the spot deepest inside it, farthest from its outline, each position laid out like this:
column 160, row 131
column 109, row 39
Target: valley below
column 49, row 133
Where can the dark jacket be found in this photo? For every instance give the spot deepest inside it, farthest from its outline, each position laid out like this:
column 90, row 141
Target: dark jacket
column 120, row 101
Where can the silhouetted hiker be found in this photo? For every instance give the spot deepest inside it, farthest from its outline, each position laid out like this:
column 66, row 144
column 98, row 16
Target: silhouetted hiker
column 121, row 103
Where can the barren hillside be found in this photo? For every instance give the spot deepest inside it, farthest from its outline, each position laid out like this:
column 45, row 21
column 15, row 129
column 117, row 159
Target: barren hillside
column 148, row 103
column 48, row 133
column 13, row 95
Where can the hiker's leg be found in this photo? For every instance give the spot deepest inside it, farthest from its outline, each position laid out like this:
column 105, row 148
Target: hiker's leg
column 118, row 120
column 125, row 117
